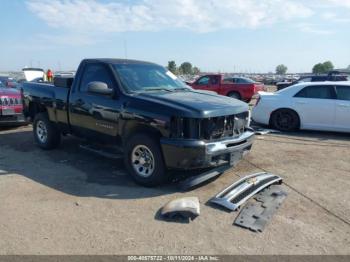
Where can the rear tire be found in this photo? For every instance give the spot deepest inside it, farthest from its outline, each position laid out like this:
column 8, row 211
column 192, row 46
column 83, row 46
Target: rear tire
column 46, row 134
column 285, row 120
column 144, row 160
column 235, row 95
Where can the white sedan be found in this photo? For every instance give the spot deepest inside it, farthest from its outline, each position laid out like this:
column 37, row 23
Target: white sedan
column 315, row 106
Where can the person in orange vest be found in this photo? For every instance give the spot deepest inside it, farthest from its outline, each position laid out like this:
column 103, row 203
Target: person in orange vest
column 49, row 75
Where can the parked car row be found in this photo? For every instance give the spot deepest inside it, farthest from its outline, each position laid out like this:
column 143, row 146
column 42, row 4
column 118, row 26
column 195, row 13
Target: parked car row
column 8, row 82
column 331, row 76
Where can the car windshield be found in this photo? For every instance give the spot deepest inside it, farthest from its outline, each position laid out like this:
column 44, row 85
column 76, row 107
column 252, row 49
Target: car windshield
column 147, row 77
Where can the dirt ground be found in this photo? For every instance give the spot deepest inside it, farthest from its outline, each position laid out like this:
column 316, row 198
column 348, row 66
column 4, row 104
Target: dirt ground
column 68, row 201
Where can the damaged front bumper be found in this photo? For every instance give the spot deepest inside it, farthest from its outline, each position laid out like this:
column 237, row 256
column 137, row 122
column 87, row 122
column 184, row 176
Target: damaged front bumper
column 195, row 154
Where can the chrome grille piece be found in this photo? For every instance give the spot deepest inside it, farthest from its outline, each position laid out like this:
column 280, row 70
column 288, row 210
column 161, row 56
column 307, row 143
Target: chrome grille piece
column 239, row 192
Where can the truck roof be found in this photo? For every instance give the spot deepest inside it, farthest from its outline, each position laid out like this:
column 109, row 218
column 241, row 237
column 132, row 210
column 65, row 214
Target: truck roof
column 117, row 61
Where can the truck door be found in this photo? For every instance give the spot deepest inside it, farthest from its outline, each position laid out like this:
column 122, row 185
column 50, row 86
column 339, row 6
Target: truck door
column 95, row 116
column 214, row 84
column 211, row 83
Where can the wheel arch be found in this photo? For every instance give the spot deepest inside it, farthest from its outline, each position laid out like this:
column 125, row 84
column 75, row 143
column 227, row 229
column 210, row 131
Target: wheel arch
column 34, row 109
column 131, row 128
column 234, row 92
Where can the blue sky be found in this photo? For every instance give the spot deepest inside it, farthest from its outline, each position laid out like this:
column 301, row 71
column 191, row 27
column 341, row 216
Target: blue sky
column 215, row 35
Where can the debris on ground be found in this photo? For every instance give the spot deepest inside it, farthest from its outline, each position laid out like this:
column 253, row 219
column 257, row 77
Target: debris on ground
column 256, row 214
column 240, row 191
column 264, row 131
column 186, row 208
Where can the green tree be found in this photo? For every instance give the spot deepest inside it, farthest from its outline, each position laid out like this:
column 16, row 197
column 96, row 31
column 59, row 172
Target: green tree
column 318, row 69
column 328, row 66
column 186, row 68
column 281, row 69
column 172, row 67
column 323, row 68
column 196, row 70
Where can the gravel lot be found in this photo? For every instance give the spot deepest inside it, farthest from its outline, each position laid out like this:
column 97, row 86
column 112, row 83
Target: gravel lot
column 68, row 201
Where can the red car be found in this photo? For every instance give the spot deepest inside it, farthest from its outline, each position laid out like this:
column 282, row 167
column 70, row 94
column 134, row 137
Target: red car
column 11, row 107
column 236, row 87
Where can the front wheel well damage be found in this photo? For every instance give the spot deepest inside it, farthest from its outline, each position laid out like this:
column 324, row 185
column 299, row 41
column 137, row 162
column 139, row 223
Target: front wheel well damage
column 131, row 128
column 34, row 109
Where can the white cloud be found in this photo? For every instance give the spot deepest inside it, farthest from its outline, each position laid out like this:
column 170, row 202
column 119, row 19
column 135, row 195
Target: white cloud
column 342, row 3
column 155, row 15
column 312, row 29
column 334, row 18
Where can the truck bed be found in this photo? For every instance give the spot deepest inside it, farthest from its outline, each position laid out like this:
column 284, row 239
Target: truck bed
column 54, row 98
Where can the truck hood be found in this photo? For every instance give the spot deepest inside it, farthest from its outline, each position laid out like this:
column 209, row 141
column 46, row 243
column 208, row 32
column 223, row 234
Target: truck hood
column 9, row 92
column 196, row 104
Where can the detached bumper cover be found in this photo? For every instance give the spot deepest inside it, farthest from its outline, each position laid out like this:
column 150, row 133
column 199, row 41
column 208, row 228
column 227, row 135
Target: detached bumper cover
column 192, row 154
column 239, row 192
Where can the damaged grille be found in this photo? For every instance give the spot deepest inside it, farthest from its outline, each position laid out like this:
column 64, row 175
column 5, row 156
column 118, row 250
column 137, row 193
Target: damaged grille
column 10, row 101
column 239, row 192
column 209, row 128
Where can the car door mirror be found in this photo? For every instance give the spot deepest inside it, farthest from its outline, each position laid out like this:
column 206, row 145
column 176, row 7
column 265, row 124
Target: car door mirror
column 99, row 88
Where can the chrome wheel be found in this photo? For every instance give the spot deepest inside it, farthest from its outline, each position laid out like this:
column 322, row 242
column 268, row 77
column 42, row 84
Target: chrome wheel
column 142, row 161
column 41, row 131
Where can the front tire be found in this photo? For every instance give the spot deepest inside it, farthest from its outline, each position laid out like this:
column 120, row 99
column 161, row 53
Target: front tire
column 144, row 160
column 285, row 120
column 46, row 134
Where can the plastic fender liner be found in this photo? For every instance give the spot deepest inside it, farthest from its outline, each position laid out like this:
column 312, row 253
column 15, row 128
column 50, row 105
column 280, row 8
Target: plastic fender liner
column 187, row 207
column 239, row 192
column 256, row 215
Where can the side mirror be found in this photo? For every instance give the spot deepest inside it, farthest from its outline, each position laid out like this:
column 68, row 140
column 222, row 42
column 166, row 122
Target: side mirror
column 100, row 88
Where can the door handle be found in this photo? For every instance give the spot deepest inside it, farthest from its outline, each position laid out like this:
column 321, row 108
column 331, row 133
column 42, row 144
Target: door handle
column 343, row 105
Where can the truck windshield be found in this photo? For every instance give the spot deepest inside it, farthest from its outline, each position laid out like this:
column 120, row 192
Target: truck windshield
column 144, row 77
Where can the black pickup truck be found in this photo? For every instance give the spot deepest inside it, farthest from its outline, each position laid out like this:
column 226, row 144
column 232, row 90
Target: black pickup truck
column 157, row 121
